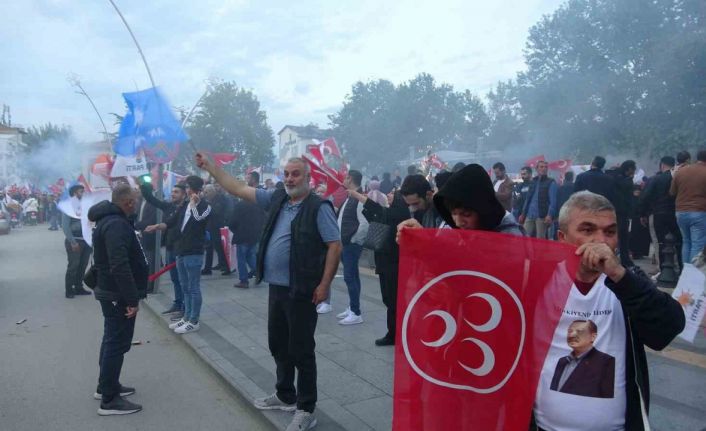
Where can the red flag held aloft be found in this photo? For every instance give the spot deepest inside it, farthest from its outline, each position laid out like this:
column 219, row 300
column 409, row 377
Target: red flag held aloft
column 476, row 315
column 330, row 147
column 224, row 158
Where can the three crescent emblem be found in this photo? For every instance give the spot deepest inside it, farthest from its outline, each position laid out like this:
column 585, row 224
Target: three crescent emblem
column 451, row 331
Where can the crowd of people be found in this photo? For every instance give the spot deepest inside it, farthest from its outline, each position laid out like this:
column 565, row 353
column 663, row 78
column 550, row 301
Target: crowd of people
column 26, row 207
column 293, row 237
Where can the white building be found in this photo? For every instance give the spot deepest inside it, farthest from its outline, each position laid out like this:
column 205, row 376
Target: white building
column 11, row 146
column 293, row 140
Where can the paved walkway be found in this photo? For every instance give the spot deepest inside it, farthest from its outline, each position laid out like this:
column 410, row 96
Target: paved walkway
column 354, row 375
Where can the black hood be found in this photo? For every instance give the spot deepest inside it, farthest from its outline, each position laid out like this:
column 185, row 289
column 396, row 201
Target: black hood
column 104, row 209
column 473, row 188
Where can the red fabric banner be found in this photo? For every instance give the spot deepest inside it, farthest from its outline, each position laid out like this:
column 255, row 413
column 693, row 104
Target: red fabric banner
column 476, row 315
column 532, row 163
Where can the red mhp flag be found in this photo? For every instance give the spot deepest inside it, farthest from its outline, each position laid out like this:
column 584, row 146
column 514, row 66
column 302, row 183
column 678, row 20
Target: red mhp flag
column 329, row 146
column 532, row 163
column 477, row 313
column 315, row 151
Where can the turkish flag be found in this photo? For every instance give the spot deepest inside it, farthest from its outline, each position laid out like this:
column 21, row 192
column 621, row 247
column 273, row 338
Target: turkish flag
column 532, row 163
column 330, row 147
column 224, row 158
column 559, row 165
column 476, row 315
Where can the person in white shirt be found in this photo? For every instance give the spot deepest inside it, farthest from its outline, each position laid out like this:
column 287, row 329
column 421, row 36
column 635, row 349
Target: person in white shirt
column 627, row 312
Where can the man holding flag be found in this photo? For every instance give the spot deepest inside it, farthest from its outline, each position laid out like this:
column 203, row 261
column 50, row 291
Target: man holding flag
column 504, row 348
column 298, row 256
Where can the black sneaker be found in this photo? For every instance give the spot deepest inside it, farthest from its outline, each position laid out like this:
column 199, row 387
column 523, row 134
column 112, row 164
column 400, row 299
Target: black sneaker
column 206, row 272
column 124, row 392
column 226, row 272
column 385, row 341
column 173, row 309
column 81, row 291
column 118, row 406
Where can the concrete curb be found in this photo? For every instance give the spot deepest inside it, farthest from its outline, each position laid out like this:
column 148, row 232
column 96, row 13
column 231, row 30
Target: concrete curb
column 220, row 367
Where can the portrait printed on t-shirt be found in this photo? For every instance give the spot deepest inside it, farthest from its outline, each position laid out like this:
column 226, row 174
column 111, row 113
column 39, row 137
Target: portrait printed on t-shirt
column 585, row 371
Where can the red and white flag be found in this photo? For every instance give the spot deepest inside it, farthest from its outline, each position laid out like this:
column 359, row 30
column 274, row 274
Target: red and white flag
column 532, row 163
column 84, row 182
column 474, row 326
column 329, row 146
column 224, row 158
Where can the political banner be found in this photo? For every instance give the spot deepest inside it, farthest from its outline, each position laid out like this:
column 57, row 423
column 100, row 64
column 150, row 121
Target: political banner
column 129, row 166
column 691, row 294
column 477, row 312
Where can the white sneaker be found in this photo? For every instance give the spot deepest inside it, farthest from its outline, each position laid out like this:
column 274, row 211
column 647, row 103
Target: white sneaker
column 324, row 308
column 188, row 327
column 177, row 324
column 351, row 319
column 344, row 314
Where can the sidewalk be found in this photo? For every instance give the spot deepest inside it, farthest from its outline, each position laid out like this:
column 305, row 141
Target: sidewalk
column 354, row 375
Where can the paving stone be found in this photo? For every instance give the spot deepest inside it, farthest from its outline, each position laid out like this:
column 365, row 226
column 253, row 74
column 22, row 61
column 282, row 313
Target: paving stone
column 375, row 412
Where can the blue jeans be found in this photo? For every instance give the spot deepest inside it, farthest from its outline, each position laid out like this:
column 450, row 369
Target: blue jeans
column 692, row 225
column 190, row 279
column 246, row 255
column 174, row 275
column 351, row 274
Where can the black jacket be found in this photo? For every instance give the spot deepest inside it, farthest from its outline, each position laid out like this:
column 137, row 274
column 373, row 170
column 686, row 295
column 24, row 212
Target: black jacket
column 598, row 182
column 246, row 222
column 563, row 193
column 655, row 199
column 192, row 239
column 117, row 256
column 652, row 319
column 168, row 209
column 387, row 261
column 217, row 218
column 623, row 197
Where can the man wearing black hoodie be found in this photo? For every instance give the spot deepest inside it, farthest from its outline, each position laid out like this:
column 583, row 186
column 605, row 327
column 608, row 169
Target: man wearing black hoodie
column 121, row 282
column 467, row 201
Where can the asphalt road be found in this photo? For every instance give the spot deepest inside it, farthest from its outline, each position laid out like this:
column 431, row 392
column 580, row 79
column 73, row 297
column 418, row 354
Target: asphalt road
column 49, row 363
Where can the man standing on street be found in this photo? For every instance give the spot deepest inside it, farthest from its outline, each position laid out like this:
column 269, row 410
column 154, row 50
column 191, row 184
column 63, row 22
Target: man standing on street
column 503, row 186
column 628, row 311
column 354, row 228
column 656, row 200
column 521, row 190
column 596, row 181
column 77, row 249
column 178, row 197
column 215, row 222
column 540, row 206
column 298, row 256
column 121, row 282
column 689, row 188
column 191, row 219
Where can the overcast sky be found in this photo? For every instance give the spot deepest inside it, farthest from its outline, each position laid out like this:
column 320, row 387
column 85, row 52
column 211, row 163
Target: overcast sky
column 299, row 60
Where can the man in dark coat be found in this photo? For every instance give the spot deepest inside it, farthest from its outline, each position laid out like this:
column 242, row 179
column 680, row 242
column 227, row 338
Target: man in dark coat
column 246, row 223
column 656, row 200
column 623, row 202
column 215, row 222
column 596, row 181
column 121, row 282
column 586, row 371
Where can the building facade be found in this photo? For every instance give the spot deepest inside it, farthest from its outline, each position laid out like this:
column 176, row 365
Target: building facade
column 11, row 147
column 293, row 140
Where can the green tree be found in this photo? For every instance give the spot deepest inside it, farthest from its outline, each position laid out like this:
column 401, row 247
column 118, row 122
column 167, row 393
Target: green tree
column 380, row 124
column 229, row 120
column 37, row 137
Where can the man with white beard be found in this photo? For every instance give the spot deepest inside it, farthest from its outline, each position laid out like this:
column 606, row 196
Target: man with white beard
column 298, row 256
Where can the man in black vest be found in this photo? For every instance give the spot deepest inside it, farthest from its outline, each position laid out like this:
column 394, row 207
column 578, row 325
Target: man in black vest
column 540, row 205
column 354, row 228
column 298, row 256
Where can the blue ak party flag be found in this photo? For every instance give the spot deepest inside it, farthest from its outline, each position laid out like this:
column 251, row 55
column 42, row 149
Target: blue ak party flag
column 149, row 124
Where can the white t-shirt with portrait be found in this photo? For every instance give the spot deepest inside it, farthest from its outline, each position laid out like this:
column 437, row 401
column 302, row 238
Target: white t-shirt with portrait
column 584, row 402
